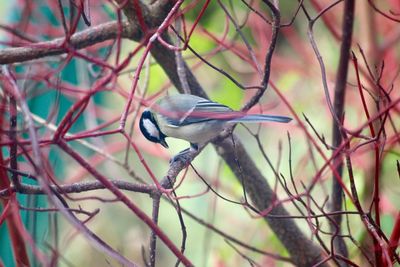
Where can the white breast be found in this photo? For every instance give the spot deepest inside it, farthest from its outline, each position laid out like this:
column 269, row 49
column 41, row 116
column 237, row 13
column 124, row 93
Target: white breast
column 198, row 133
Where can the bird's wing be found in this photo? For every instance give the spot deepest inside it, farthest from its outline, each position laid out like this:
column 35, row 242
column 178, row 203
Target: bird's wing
column 185, row 110
column 206, row 110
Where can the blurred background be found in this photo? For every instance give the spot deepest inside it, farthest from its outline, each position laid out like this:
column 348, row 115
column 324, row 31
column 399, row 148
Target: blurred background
column 233, row 36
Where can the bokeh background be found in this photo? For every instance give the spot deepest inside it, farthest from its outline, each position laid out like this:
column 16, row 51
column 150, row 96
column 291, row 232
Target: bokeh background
column 295, row 74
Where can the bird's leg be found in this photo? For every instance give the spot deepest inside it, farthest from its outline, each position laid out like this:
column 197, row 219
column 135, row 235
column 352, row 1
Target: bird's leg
column 194, row 147
column 181, row 156
column 184, row 154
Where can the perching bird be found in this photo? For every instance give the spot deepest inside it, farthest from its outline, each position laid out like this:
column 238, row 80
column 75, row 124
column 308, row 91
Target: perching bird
column 192, row 118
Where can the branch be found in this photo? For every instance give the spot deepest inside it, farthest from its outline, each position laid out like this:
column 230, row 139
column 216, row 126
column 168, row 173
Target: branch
column 303, row 252
column 301, row 249
column 126, row 201
column 268, row 58
column 58, row 46
column 339, row 102
column 80, row 187
column 142, row 21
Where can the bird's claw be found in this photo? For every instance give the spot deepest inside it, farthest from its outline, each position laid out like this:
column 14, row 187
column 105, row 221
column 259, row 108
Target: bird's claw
column 183, row 156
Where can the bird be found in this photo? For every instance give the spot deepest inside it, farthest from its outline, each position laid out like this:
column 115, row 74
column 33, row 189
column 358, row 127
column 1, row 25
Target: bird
column 194, row 119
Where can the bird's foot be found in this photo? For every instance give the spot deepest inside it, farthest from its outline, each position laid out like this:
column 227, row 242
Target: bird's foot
column 185, row 155
column 181, row 156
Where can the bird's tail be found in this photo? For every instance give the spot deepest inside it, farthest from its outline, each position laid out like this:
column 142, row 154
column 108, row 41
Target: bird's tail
column 261, row 118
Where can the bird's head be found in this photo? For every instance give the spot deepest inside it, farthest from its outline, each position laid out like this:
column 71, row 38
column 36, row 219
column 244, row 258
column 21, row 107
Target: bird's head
column 150, row 129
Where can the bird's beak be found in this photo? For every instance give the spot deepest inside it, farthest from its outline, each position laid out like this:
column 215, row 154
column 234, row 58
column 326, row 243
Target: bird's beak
column 163, row 143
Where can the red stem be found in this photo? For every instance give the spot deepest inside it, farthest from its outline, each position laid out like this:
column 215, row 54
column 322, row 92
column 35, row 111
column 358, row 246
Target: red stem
column 377, row 163
column 124, row 199
column 395, row 237
column 17, row 240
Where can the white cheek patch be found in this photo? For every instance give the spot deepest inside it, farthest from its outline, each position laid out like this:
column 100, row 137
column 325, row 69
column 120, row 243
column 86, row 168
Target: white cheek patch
column 151, row 128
